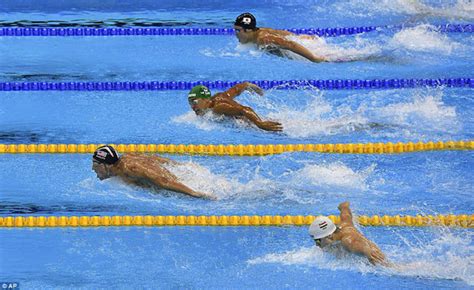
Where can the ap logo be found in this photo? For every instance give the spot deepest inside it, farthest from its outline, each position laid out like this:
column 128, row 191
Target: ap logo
column 247, row 20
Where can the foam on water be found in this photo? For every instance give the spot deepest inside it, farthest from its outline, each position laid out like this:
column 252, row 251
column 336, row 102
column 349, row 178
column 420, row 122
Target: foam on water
column 335, row 260
column 462, row 9
column 352, row 49
column 423, row 111
column 318, row 117
column 334, row 175
column 426, row 109
column 424, row 38
column 208, row 122
column 449, row 256
column 202, row 179
column 241, row 50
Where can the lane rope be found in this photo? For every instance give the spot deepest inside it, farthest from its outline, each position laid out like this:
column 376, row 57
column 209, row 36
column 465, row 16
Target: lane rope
column 463, row 220
column 160, row 31
column 240, row 149
column 336, row 84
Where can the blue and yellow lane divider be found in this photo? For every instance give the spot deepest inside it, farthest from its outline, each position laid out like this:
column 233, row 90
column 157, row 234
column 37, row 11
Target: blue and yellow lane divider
column 242, row 150
column 450, row 220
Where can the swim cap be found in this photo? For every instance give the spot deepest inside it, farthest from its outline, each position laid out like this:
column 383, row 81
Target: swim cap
column 105, row 154
column 199, row 92
column 246, row 21
column 321, row 227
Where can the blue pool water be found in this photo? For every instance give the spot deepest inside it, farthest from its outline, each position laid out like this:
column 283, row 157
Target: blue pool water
column 294, row 184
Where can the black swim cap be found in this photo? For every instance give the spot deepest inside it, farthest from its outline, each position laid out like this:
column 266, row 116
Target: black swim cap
column 105, row 154
column 246, row 21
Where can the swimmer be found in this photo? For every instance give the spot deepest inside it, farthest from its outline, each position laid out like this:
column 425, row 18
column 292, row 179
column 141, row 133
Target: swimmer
column 200, row 100
column 139, row 169
column 271, row 40
column 324, row 232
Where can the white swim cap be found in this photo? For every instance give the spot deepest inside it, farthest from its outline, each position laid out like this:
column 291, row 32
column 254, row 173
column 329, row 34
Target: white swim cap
column 321, row 227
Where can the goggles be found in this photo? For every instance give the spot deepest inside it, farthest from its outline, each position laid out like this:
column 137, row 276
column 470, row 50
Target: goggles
column 193, row 101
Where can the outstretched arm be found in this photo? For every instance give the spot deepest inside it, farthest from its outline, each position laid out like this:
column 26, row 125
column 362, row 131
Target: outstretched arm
column 355, row 242
column 177, row 186
column 346, row 214
column 361, row 245
column 164, row 179
column 292, row 46
column 239, row 88
column 249, row 114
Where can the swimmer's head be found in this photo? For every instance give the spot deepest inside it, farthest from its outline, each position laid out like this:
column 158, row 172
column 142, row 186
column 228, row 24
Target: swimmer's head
column 246, row 21
column 244, row 25
column 198, row 98
column 321, row 231
column 103, row 158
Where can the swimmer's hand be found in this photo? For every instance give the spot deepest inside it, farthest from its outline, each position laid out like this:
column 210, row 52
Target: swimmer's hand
column 205, row 195
column 343, row 205
column 254, row 88
column 376, row 257
column 270, row 126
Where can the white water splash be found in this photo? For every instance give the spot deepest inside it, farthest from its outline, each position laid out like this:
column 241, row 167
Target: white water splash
column 450, row 256
column 202, row 179
column 426, row 110
column 208, row 122
column 354, row 49
column 334, row 175
column 337, row 259
column 462, row 9
column 319, row 117
column 424, row 38
column 233, row 51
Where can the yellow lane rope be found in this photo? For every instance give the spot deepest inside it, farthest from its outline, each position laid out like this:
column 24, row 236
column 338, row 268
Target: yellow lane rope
column 465, row 221
column 241, row 150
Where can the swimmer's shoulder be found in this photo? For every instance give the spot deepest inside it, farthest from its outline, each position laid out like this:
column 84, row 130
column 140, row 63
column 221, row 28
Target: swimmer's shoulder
column 220, row 97
column 264, row 33
column 133, row 158
column 348, row 229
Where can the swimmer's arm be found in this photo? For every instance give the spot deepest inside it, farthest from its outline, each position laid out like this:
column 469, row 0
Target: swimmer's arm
column 359, row 245
column 292, row 46
column 346, row 214
column 173, row 185
column 239, row 88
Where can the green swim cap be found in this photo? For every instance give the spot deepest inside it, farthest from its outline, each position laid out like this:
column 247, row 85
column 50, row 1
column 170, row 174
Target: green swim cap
column 199, row 92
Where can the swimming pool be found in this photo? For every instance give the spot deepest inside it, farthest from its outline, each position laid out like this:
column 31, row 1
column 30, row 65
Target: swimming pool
column 288, row 184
